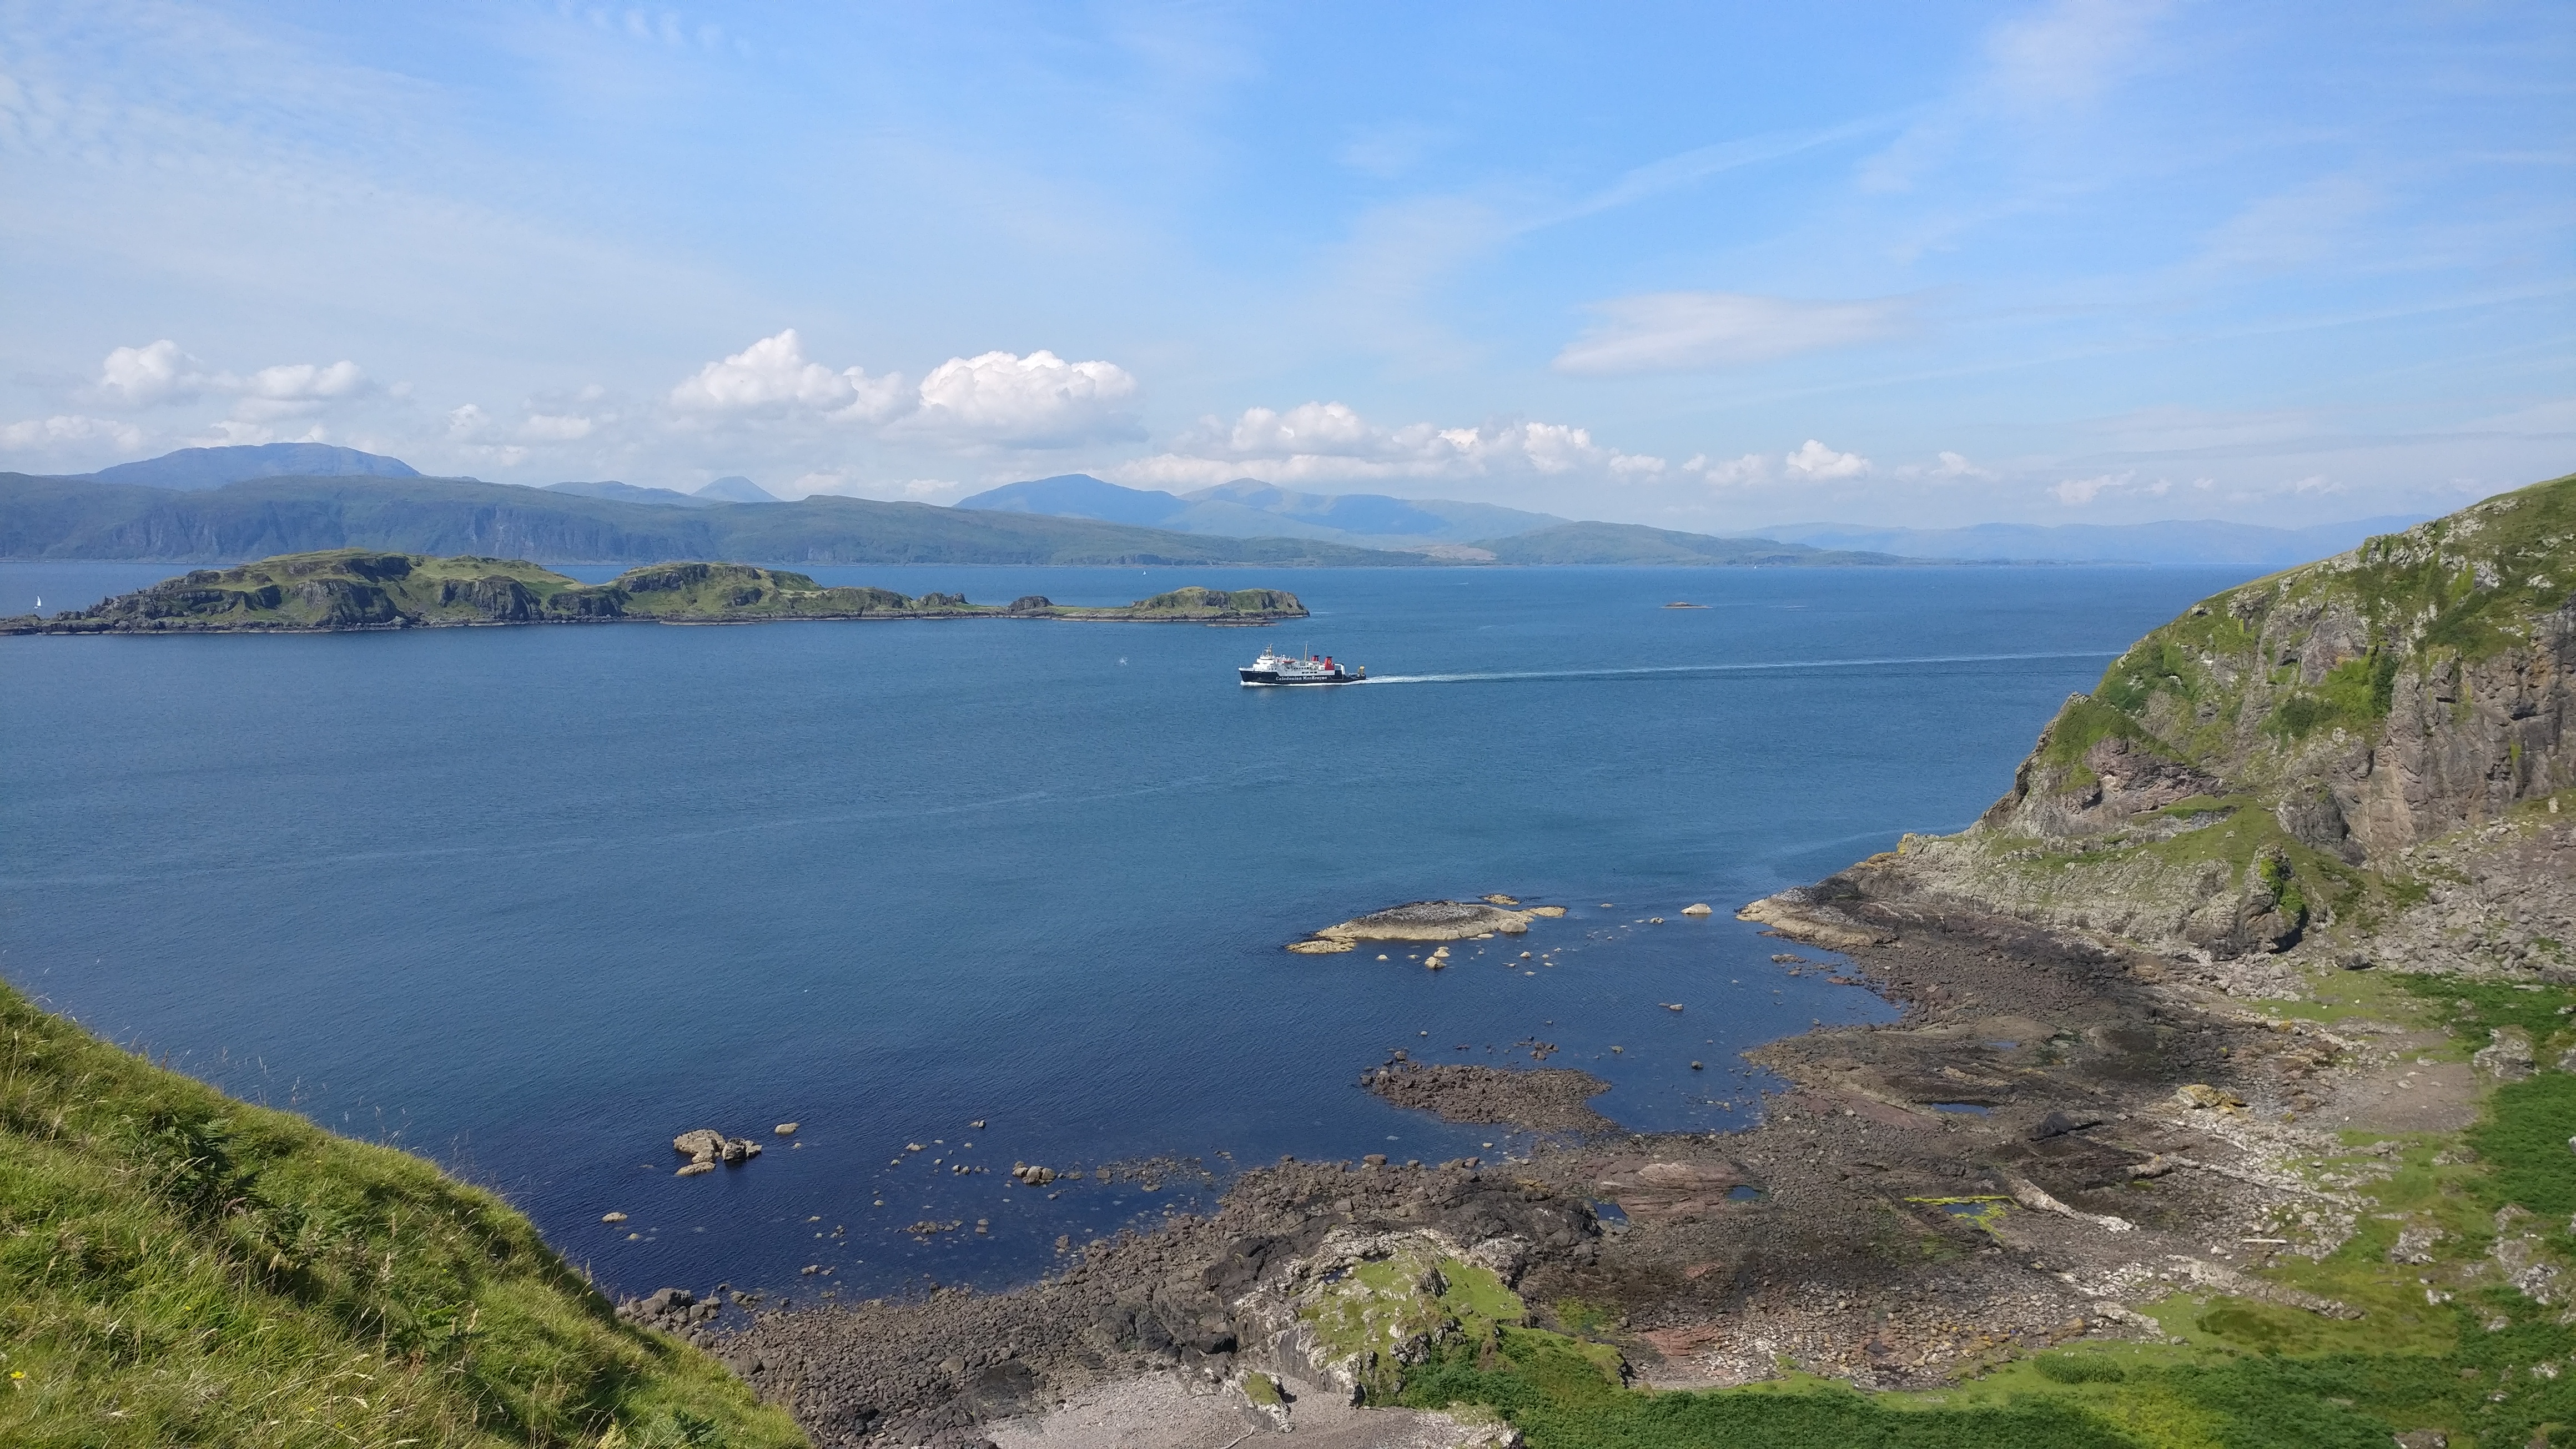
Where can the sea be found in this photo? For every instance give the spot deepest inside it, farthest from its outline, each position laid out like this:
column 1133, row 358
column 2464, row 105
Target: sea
column 953, row 896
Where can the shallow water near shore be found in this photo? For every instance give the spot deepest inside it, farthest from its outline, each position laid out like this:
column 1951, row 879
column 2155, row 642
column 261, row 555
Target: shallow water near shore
column 533, row 900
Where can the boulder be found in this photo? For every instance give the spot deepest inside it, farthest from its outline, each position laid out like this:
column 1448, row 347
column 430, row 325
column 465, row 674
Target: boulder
column 2507, row 1056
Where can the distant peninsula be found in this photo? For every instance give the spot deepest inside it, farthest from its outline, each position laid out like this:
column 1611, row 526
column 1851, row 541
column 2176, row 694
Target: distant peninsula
column 352, row 589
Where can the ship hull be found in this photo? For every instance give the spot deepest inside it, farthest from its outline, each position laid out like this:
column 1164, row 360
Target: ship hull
column 1272, row 677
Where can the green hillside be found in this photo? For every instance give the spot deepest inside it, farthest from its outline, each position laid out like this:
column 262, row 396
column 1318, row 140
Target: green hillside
column 351, row 588
column 71, row 518
column 177, row 1267
column 2260, row 767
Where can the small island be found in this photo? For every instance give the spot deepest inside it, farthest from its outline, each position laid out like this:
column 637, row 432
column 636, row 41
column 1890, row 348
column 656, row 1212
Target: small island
column 352, row 589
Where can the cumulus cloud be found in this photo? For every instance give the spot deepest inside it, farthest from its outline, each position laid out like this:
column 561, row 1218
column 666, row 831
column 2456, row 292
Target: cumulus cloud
column 1327, row 442
column 1730, row 472
column 772, row 379
column 1037, row 401
column 1815, row 460
column 161, row 373
column 295, row 389
column 1688, row 331
column 142, row 376
column 995, row 399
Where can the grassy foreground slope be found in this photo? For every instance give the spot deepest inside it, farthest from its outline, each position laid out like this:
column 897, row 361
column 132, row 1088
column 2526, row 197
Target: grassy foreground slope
column 177, row 1267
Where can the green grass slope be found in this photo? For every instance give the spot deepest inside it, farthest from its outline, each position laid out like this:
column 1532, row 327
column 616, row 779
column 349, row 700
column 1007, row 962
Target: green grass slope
column 75, row 518
column 177, row 1267
column 1634, row 544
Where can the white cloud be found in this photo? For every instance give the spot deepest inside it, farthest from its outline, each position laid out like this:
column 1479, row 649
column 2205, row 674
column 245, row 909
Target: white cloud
column 1327, row 442
column 1730, row 472
column 998, row 399
column 160, row 373
column 1815, row 460
column 1684, row 331
column 37, row 434
column 772, row 378
column 294, row 389
column 1315, row 429
column 1037, row 401
column 142, row 376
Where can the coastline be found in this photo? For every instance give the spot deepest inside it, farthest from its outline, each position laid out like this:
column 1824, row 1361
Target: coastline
column 2060, row 1141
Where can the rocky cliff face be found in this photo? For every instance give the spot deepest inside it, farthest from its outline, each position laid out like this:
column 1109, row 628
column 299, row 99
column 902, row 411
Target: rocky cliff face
column 2266, row 767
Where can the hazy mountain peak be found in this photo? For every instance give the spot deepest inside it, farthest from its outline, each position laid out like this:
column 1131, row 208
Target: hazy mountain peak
column 192, row 468
column 629, row 493
column 737, row 489
column 1079, row 495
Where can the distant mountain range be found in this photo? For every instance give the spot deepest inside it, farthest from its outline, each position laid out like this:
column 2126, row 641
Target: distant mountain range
column 249, row 502
column 1250, row 508
column 193, row 468
column 2196, row 541
column 78, row 518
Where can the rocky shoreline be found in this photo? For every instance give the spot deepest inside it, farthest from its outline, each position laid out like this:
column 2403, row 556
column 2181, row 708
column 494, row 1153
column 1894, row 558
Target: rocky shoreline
column 1551, row 1100
column 2054, row 1134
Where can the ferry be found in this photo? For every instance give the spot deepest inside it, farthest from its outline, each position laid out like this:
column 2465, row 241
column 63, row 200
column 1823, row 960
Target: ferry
column 1276, row 668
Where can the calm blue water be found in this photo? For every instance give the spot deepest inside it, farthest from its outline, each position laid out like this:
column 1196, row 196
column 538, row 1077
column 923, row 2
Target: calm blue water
column 532, row 901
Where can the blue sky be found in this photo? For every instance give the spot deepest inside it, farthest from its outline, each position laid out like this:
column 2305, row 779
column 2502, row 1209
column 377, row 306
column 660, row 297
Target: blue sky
column 1704, row 266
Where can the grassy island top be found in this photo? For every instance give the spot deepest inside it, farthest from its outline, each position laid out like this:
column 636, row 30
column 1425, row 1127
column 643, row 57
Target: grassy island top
column 183, row 1268
column 349, row 588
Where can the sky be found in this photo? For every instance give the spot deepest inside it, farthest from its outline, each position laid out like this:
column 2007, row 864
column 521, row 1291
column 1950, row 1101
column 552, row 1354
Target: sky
column 1702, row 266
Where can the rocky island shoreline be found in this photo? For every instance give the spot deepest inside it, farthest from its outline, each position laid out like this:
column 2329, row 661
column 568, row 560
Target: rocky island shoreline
column 348, row 589
column 2228, row 1035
